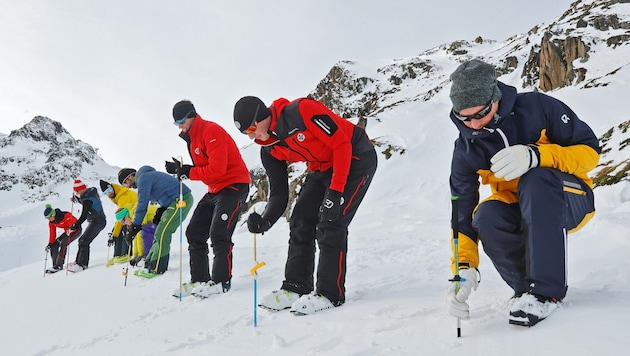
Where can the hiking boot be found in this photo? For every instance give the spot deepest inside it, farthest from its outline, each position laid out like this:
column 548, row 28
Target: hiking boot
column 74, row 267
column 310, row 304
column 279, row 300
column 186, row 289
column 54, row 269
column 529, row 309
column 135, row 261
column 206, row 289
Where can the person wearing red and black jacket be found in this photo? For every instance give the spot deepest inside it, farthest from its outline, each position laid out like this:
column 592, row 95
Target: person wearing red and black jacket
column 217, row 163
column 341, row 163
column 535, row 154
column 57, row 246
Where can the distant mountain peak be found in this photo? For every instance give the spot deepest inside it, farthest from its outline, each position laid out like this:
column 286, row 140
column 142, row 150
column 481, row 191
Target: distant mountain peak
column 39, row 156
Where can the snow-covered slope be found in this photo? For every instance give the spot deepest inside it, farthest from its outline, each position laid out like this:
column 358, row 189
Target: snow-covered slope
column 398, row 260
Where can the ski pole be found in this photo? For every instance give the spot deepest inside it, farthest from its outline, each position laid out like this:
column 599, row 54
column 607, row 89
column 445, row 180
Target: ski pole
column 254, row 272
column 108, row 246
column 456, row 279
column 67, row 233
column 45, row 261
column 182, row 204
column 126, row 270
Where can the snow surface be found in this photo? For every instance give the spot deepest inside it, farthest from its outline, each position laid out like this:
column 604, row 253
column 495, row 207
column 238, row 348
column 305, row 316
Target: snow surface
column 398, row 270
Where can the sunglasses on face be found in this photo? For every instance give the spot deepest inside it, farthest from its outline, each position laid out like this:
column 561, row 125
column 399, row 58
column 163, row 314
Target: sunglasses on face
column 476, row 116
column 128, row 181
column 182, row 120
column 108, row 190
column 252, row 127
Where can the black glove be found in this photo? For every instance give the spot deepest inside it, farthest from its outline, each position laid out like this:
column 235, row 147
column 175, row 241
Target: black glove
column 257, row 224
column 331, row 207
column 110, row 240
column 134, row 261
column 171, row 167
column 133, row 231
column 183, row 172
column 76, row 226
column 50, row 245
column 158, row 215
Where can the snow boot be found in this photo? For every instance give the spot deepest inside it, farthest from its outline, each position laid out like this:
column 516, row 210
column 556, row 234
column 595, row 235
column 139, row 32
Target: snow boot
column 206, row 289
column 530, row 309
column 279, row 300
column 54, row 269
column 75, row 267
column 186, row 290
column 310, row 304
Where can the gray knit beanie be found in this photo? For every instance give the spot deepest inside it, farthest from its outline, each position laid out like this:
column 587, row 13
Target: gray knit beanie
column 474, row 84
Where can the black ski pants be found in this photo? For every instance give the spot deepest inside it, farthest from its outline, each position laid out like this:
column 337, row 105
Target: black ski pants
column 331, row 237
column 89, row 234
column 121, row 247
column 58, row 249
column 215, row 217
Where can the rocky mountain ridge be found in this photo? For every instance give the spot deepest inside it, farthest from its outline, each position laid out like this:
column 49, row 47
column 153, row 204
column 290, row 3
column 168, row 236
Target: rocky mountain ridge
column 549, row 56
column 43, row 154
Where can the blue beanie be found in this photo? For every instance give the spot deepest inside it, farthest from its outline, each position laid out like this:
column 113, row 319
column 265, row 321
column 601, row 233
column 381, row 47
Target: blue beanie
column 49, row 211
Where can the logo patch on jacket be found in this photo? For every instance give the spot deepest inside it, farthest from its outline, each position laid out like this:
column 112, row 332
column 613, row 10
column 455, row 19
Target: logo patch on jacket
column 325, row 123
column 197, row 150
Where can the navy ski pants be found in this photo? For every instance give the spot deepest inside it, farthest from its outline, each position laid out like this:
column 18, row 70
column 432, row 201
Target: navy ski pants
column 89, row 234
column 331, row 237
column 527, row 241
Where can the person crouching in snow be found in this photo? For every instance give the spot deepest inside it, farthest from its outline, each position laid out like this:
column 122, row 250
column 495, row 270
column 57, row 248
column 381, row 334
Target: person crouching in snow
column 163, row 189
column 92, row 212
column 143, row 241
column 121, row 196
column 535, row 154
column 57, row 246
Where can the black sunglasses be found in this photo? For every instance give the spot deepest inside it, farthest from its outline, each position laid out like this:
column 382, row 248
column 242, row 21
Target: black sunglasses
column 476, row 116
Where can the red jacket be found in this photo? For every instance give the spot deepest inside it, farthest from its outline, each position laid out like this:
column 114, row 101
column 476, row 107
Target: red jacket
column 217, row 160
column 63, row 220
column 309, row 132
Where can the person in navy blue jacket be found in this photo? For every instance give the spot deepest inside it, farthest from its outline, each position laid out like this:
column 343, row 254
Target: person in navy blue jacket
column 93, row 213
column 534, row 153
column 162, row 189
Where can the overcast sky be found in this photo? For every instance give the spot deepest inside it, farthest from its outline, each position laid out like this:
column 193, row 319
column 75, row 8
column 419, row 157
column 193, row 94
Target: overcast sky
column 110, row 71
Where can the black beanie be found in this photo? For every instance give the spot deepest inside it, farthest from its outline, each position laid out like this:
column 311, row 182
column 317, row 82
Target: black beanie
column 124, row 173
column 104, row 185
column 247, row 110
column 183, row 110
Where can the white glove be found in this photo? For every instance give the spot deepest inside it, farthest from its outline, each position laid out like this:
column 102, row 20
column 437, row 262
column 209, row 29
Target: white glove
column 514, row 161
column 456, row 301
